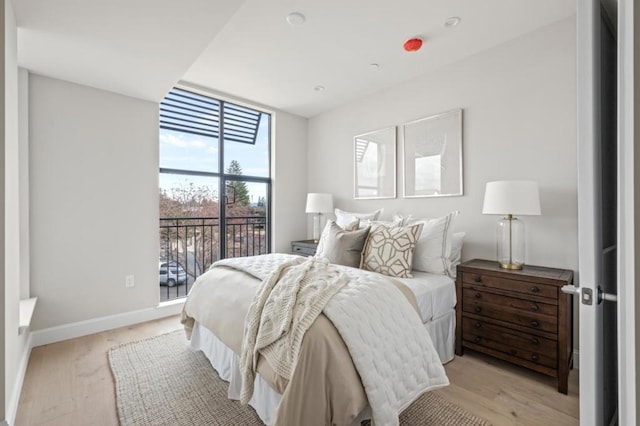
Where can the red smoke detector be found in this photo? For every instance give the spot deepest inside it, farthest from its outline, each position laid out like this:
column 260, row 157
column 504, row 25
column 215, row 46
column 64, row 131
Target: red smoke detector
column 413, row 44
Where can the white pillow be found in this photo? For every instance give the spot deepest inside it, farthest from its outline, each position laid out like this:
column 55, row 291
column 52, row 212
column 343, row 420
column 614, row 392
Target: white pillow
column 456, row 250
column 433, row 249
column 402, row 219
column 387, row 223
column 344, row 218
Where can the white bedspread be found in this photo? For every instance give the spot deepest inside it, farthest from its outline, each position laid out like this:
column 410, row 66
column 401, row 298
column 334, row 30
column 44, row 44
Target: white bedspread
column 390, row 348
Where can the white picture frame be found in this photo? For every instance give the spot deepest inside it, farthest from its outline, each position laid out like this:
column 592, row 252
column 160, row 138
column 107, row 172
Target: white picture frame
column 432, row 156
column 374, row 164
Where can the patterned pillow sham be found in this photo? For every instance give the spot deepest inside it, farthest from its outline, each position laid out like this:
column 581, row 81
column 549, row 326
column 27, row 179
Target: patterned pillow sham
column 433, row 249
column 389, row 250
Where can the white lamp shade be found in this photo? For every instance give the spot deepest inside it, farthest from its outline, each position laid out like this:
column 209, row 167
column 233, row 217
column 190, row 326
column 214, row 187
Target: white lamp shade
column 516, row 197
column 319, row 203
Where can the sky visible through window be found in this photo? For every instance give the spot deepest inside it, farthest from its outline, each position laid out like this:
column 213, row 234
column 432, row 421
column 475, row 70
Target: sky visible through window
column 185, row 151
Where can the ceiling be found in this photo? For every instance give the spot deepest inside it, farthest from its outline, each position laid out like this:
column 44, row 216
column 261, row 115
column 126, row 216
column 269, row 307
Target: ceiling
column 247, row 49
column 139, row 48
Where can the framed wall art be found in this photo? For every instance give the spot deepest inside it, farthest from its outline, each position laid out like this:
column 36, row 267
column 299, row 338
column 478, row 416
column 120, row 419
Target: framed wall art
column 432, row 156
column 375, row 164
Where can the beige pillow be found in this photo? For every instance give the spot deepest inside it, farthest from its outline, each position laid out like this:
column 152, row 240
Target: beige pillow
column 341, row 247
column 389, row 250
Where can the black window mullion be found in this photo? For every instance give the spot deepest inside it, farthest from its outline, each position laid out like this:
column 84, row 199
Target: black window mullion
column 222, row 203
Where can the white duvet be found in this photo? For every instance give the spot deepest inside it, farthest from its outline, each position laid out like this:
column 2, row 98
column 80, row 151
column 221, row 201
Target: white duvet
column 391, row 349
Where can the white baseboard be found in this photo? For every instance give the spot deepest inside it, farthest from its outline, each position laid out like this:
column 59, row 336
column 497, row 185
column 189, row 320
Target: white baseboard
column 576, row 359
column 14, row 398
column 78, row 329
column 97, row 325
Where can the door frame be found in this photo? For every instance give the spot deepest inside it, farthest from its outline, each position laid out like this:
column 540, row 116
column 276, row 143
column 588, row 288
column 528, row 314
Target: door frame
column 588, row 113
column 628, row 181
column 628, row 203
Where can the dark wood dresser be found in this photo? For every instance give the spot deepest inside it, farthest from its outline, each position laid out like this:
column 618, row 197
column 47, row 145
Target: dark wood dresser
column 518, row 316
column 304, row 247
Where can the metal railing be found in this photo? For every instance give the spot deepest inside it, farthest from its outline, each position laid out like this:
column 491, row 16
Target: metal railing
column 193, row 244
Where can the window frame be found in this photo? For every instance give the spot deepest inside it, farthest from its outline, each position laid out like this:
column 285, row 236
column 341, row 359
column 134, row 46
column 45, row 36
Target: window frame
column 224, row 177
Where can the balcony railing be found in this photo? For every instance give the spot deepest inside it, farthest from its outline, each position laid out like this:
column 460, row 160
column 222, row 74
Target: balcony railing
column 193, row 244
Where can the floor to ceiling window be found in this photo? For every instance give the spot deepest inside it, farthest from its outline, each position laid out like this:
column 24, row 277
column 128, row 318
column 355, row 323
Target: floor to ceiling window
column 215, row 186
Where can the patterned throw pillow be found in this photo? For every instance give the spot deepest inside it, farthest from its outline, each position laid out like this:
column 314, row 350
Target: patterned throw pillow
column 389, row 250
column 340, row 246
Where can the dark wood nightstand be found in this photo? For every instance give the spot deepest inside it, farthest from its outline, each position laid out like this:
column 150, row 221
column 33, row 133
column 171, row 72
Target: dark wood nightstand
column 518, row 316
column 304, row 247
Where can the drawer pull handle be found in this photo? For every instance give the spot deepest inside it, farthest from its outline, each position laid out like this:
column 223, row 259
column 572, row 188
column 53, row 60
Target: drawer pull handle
column 535, row 357
column 478, row 279
column 478, row 295
column 478, row 309
column 477, row 325
column 535, row 324
column 477, row 339
column 535, row 290
column 535, row 308
column 535, row 341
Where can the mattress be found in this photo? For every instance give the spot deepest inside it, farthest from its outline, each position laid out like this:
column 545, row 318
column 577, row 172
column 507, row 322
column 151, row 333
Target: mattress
column 435, row 294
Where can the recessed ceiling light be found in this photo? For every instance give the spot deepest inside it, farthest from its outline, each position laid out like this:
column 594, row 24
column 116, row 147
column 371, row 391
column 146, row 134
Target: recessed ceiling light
column 296, row 18
column 452, row 22
column 374, row 67
column 318, row 88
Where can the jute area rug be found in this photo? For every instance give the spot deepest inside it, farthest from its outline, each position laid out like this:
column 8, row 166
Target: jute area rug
column 161, row 381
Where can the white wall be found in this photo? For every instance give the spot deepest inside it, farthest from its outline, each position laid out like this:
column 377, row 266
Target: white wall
column 519, row 122
column 519, row 115
column 5, row 316
column 94, row 202
column 288, row 170
column 23, row 161
column 290, row 181
column 16, row 346
column 94, row 206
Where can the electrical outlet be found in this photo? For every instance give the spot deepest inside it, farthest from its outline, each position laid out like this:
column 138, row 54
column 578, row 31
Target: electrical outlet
column 129, row 281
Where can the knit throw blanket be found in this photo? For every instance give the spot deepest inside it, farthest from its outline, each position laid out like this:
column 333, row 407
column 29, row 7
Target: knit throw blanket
column 288, row 301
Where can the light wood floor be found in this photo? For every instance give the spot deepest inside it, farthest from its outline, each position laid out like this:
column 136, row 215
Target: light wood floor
column 70, row 383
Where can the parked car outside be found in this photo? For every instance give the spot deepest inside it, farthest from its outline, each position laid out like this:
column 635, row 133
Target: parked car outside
column 172, row 273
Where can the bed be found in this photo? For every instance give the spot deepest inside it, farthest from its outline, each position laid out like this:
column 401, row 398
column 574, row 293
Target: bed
column 333, row 380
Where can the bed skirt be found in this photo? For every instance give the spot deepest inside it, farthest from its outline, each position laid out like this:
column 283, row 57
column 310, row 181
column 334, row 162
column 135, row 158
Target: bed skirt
column 265, row 400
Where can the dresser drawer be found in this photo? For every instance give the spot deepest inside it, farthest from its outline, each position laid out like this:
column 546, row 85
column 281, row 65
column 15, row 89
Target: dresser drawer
column 509, row 315
column 472, row 296
column 521, row 345
column 524, row 287
column 519, row 316
column 304, row 247
column 303, row 250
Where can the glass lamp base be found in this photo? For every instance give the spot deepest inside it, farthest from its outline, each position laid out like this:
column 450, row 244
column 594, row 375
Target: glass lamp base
column 510, row 243
column 317, row 218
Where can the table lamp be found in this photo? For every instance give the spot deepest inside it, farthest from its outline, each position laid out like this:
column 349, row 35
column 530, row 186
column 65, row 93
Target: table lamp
column 509, row 198
column 318, row 204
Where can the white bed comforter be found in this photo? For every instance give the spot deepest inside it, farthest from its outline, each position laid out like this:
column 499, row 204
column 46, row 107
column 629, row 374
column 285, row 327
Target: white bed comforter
column 390, row 348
